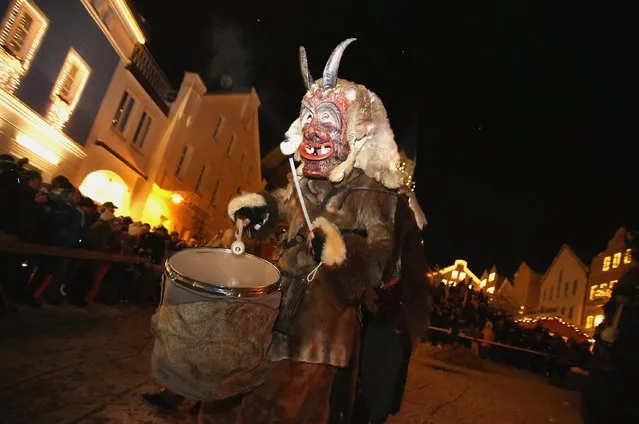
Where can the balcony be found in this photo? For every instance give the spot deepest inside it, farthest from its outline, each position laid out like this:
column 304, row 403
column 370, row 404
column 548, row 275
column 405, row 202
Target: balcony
column 150, row 76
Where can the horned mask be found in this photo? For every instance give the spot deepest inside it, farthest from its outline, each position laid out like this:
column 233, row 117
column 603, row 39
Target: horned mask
column 341, row 126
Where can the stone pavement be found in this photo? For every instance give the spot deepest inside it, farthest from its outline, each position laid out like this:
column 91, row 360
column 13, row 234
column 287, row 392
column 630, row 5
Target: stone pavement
column 70, row 365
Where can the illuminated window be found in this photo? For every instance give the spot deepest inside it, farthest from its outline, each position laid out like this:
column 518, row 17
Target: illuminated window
column 455, row 274
column 593, row 290
column 216, row 191
column 219, row 126
column 606, row 264
column 490, row 290
column 123, row 112
column 590, row 321
column 68, row 89
column 491, row 277
column 616, row 259
column 445, row 281
column 23, row 27
column 462, row 275
column 231, row 146
column 602, row 291
column 598, row 320
column 482, row 283
column 200, row 179
column 185, row 155
column 22, row 30
column 627, row 257
column 142, row 130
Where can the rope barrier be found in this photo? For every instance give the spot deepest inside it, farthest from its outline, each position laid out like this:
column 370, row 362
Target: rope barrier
column 58, row 252
column 507, row 346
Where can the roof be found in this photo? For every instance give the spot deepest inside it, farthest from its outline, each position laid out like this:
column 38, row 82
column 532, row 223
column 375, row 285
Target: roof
column 574, row 255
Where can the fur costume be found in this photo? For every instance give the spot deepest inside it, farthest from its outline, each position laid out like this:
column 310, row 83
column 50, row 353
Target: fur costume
column 352, row 186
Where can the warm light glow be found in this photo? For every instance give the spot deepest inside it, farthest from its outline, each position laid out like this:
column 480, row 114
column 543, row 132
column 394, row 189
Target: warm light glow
column 566, row 323
column 616, row 260
column 491, row 277
column 454, row 274
column 37, row 148
column 127, row 16
column 39, row 129
column 13, row 68
column 107, row 186
column 463, row 264
column 606, row 264
column 61, row 109
column 482, row 284
column 158, row 209
column 10, row 72
column 490, row 290
column 598, row 320
column 177, row 198
column 627, row 257
column 462, row 275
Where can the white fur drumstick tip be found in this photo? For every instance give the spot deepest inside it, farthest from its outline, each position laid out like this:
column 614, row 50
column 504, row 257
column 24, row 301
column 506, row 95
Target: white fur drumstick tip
column 334, row 252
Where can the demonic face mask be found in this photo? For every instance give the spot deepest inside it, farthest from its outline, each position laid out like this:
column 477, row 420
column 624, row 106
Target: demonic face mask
column 322, row 117
column 324, row 145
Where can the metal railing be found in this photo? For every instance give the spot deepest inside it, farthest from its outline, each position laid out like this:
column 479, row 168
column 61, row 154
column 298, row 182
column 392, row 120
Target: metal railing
column 150, row 71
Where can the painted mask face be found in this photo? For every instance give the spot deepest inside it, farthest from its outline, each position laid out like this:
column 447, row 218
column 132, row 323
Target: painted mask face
column 323, row 144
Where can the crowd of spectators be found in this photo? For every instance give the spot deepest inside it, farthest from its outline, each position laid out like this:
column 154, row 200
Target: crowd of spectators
column 467, row 312
column 58, row 215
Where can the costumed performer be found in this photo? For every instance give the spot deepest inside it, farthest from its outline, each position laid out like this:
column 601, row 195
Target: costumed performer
column 352, row 183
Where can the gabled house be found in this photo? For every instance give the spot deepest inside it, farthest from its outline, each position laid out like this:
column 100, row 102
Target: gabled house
column 563, row 286
column 607, row 267
column 526, row 287
column 492, row 279
column 457, row 273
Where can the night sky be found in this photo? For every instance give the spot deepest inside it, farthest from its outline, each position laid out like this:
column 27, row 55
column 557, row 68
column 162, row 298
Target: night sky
column 523, row 108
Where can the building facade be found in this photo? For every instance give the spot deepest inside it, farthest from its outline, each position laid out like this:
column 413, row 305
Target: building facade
column 212, row 154
column 457, row 273
column 526, row 288
column 491, row 280
column 82, row 96
column 55, row 66
column 563, row 286
column 607, row 267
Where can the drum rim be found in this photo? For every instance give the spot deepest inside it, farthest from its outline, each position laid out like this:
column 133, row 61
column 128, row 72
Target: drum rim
column 199, row 287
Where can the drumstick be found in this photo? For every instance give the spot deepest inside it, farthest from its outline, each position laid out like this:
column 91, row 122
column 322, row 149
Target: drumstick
column 238, row 245
column 296, row 181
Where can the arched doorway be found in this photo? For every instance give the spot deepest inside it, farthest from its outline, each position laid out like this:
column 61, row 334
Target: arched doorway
column 107, row 186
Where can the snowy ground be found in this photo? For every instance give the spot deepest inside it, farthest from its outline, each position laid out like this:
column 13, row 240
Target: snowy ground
column 71, row 365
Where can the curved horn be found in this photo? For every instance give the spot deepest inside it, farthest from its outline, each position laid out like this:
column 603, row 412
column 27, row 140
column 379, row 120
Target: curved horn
column 332, row 66
column 306, row 74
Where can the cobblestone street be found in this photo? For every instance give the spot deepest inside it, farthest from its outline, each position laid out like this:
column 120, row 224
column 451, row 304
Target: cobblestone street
column 70, row 365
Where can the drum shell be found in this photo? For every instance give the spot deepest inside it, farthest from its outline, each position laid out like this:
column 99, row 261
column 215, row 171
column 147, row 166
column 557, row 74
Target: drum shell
column 209, row 347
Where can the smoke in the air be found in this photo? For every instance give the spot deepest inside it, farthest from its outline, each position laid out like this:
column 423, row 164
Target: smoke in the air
column 229, row 55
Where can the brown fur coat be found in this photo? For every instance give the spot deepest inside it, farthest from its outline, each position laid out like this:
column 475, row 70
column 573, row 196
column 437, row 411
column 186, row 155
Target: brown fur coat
column 325, row 324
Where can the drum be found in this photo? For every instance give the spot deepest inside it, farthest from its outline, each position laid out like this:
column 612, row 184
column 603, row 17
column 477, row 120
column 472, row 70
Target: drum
column 213, row 326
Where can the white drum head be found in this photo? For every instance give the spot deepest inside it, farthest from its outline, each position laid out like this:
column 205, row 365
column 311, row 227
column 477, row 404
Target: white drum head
column 221, row 268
